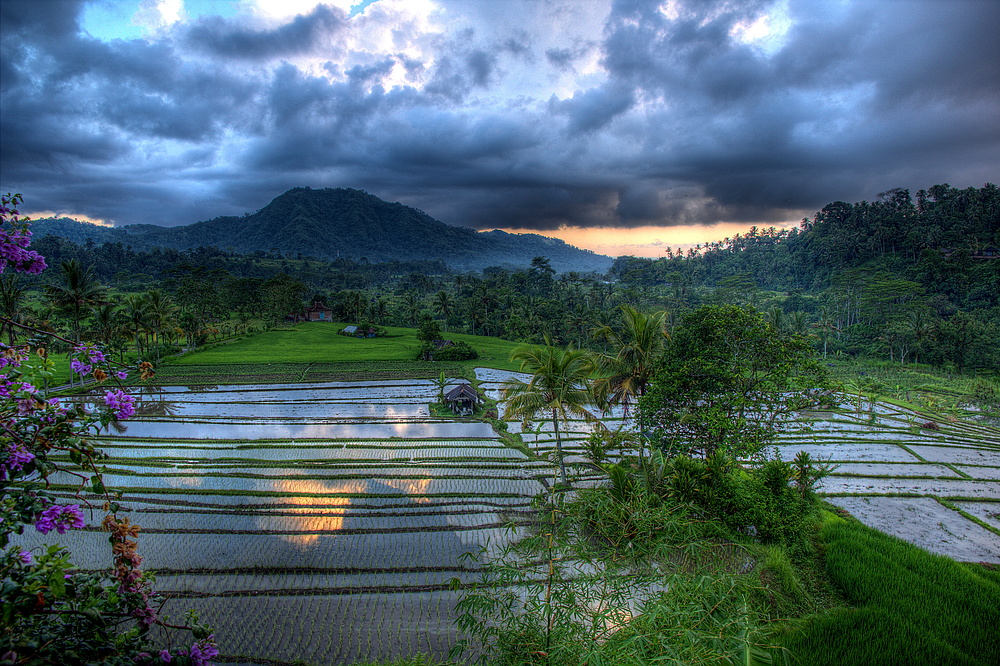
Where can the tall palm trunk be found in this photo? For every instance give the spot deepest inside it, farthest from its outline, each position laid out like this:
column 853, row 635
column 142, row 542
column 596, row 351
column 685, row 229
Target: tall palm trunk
column 559, row 449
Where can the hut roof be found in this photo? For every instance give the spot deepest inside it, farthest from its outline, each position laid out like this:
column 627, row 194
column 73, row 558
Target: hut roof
column 462, row 391
column 316, row 306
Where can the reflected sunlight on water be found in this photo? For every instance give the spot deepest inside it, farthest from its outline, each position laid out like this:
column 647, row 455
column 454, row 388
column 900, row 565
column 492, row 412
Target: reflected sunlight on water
column 183, row 481
column 315, row 523
column 412, row 487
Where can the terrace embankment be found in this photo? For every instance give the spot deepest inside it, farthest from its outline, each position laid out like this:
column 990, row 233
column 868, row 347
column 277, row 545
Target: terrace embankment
column 323, row 521
column 318, row 521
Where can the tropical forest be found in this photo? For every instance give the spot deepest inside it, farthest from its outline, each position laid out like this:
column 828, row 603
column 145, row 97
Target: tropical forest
column 261, row 440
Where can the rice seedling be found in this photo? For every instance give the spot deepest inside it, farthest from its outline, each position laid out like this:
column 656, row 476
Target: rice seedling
column 908, row 606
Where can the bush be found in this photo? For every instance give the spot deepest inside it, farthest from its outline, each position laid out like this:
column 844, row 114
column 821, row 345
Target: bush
column 761, row 501
column 460, row 351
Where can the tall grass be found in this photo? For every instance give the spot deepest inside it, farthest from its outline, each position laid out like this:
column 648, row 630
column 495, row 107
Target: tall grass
column 908, row 606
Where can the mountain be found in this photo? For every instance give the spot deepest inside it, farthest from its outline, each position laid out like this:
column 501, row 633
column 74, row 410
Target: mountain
column 331, row 223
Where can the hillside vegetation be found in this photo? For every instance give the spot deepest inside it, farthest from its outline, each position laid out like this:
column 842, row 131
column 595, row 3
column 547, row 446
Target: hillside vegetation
column 340, row 223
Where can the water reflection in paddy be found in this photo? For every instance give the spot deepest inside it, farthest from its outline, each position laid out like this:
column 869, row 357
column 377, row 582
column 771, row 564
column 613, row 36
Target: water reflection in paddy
column 334, row 451
column 305, row 410
column 251, row 430
column 305, row 487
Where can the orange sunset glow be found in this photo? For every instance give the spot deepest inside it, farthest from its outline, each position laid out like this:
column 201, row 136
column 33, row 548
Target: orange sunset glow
column 646, row 241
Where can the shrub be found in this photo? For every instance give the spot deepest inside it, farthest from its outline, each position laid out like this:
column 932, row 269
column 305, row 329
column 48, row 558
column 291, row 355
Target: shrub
column 460, row 351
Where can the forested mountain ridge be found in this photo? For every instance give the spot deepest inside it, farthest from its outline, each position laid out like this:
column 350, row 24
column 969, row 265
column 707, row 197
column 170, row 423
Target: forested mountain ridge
column 895, row 277
column 893, row 233
column 342, row 223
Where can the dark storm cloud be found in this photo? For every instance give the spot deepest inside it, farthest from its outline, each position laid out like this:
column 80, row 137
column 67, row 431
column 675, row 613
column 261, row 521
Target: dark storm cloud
column 592, row 109
column 305, row 34
column 851, row 93
column 49, row 19
column 684, row 122
column 562, row 58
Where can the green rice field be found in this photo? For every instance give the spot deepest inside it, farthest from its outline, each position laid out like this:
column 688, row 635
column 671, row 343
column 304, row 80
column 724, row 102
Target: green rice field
column 320, row 343
column 325, row 521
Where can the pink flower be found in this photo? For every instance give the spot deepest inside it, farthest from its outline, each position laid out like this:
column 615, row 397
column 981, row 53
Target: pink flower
column 79, row 367
column 204, row 651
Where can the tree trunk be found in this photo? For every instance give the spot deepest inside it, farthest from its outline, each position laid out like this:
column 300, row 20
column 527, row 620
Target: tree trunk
column 559, row 450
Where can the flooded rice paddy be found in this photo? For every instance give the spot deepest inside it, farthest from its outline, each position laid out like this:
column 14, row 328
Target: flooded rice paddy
column 888, row 468
column 319, row 521
column 323, row 521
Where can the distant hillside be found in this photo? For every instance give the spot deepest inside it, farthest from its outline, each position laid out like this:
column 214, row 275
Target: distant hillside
column 331, row 223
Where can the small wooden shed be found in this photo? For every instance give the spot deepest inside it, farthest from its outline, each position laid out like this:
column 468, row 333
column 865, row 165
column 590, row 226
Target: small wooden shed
column 462, row 399
column 319, row 312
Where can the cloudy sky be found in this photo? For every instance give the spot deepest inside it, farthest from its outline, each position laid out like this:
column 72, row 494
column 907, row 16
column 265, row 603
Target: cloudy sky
column 623, row 126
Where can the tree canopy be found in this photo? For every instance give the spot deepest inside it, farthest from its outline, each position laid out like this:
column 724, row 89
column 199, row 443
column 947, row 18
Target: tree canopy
column 727, row 380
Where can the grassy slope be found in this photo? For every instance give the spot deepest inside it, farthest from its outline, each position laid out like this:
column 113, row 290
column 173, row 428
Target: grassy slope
column 318, row 342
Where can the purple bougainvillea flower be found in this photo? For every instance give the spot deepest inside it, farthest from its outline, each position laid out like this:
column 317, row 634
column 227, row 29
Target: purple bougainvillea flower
column 121, row 403
column 60, row 518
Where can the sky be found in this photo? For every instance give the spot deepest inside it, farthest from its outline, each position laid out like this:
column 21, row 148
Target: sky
column 622, row 126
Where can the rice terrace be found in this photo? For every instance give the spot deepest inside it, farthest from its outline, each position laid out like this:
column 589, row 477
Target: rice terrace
column 321, row 511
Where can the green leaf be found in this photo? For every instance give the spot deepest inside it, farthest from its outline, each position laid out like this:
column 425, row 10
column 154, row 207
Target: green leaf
column 57, row 584
column 95, row 616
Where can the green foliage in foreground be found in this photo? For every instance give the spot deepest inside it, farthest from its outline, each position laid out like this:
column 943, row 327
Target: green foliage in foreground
column 318, row 342
column 619, row 579
column 909, row 606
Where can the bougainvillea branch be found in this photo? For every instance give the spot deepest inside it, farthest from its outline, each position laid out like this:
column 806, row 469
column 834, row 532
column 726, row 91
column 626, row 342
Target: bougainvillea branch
column 50, row 612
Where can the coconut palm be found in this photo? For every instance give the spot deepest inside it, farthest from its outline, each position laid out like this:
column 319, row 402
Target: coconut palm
column 559, row 386
column 630, row 365
column 135, row 315
column 160, row 316
column 826, row 326
column 106, row 323
column 12, row 305
column 78, row 294
column 444, row 305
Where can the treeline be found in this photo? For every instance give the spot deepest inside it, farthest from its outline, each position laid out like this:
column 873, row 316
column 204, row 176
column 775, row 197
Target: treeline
column 130, row 269
column 902, row 280
column 896, row 278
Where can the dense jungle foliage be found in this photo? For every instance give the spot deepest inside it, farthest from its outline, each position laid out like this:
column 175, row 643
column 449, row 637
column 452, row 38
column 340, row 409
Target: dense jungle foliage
column 895, row 279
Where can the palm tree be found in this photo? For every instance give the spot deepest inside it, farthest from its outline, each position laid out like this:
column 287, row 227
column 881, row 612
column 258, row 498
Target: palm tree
column 411, row 306
column 825, row 326
column 797, row 322
column 79, row 292
column 105, row 323
column 356, row 305
column 377, row 310
column 136, row 314
column 628, row 369
column 11, row 303
column 559, row 386
column 776, row 317
column 443, row 305
column 160, row 316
